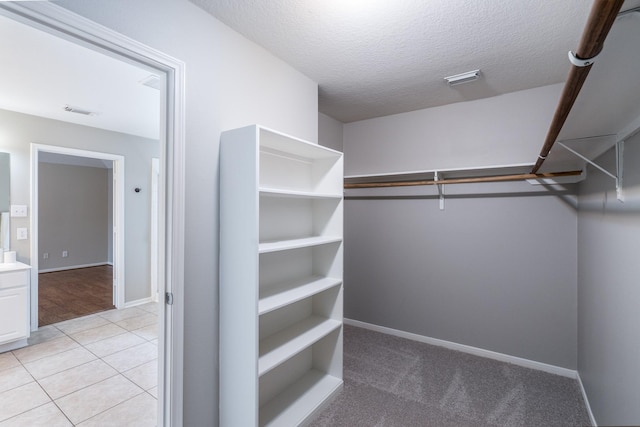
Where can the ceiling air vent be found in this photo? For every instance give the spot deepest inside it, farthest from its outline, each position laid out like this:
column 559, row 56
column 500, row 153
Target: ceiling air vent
column 467, row 77
column 152, row 81
column 78, row 110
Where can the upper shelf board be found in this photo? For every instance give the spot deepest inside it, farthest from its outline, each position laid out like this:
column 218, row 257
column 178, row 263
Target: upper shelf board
column 426, row 175
column 276, row 192
column 278, row 141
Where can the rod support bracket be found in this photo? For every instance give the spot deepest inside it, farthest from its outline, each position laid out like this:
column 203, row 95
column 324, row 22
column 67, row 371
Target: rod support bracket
column 619, row 165
column 436, row 178
column 619, row 170
column 579, row 62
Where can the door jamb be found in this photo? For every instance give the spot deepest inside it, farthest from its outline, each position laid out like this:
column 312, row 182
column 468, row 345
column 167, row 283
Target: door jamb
column 118, row 220
column 155, row 183
column 64, row 23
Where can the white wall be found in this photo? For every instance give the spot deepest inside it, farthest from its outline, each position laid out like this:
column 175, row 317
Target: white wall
column 20, row 130
column 505, row 129
column 330, row 132
column 231, row 82
column 609, row 290
column 497, row 268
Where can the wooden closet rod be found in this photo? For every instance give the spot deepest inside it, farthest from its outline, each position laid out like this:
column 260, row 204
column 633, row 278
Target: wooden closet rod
column 495, row 178
column 603, row 14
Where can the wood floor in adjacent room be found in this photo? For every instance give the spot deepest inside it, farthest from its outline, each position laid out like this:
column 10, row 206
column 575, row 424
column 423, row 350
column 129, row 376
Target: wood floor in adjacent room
column 64, row 295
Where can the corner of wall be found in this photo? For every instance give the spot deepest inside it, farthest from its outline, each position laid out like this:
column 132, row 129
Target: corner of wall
column 330, row 132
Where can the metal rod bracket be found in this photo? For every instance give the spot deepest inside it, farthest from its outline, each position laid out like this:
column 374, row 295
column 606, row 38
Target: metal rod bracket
column 440, row 190
column 619, row 166
column 619, row 169
column 579, row 62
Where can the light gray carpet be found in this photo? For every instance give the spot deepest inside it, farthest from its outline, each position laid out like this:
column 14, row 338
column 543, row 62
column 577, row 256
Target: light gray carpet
column 391, row 381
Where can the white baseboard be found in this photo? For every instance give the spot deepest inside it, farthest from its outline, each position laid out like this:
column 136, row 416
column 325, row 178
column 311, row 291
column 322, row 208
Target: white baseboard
column 586, row 402
column 72, row 267
column 13, row 345
column 138, row 302
column 531, row 364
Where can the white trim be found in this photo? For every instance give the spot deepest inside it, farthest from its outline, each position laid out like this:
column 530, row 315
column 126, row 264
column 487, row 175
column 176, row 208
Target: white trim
column 63, row 23
column 531, row 364
column 139, row 302
column 586, row 402
column 73, row 267
column 154, row 231
column 118, row 220
column 13, row 345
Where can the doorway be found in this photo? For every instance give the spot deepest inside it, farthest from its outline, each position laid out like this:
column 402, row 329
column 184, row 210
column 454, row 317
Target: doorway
column 117, row 217
column 64, row 24
column 78, row 223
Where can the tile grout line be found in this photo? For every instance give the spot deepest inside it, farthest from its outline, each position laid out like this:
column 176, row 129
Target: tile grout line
column 97, row 357
column 117, row 404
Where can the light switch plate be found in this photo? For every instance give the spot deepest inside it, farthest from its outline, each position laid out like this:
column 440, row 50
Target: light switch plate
column 22, row 233
column 18, row 211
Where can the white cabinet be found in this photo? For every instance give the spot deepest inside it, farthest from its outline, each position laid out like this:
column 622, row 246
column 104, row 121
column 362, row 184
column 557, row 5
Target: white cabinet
column 280, row 278
column 14, row 305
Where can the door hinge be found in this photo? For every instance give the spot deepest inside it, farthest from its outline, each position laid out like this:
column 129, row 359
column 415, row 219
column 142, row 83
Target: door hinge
column 169, row 298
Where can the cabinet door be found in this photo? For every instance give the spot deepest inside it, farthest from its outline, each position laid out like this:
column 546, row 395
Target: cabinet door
column 13, row 314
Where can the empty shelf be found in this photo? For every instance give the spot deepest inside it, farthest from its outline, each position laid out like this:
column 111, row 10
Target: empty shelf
column 299, row 400
column 284, row 245
column 291, row 292
column 285, row 344
column 291, row 146
column 274, row 192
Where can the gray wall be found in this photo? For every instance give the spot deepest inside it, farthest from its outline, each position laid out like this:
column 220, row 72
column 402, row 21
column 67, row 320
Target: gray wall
column 5, row 178
column 20, row 130
column 496, row 269
column 231, row 82
column 5, row 161
column 609, row 291
column 73, row 214
column 501, row 130
column 330, row 132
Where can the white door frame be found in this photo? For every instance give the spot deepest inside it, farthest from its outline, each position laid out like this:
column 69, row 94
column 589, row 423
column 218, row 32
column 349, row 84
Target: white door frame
column 155, row 183
column 118, row 220
column 63, row 23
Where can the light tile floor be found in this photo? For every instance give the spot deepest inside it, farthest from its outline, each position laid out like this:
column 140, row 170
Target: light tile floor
column 97, row 370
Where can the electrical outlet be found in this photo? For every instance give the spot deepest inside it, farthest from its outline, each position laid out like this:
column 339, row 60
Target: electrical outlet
column 22, row 233
column 65, row 254
column 19, row 211
column 45, row 255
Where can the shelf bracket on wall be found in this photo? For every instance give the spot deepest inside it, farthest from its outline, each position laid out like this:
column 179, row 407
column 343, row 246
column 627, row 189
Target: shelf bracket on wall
column 619, row 165
column 436, row 178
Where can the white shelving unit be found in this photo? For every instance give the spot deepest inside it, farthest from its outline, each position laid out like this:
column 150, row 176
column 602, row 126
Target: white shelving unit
column 281, row 202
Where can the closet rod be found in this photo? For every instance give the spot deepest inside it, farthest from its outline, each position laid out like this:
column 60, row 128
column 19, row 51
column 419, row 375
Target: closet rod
column 603, row 14
column 495, row 178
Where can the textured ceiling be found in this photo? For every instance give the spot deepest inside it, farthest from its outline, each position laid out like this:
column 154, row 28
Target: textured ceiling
column 373, row 58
